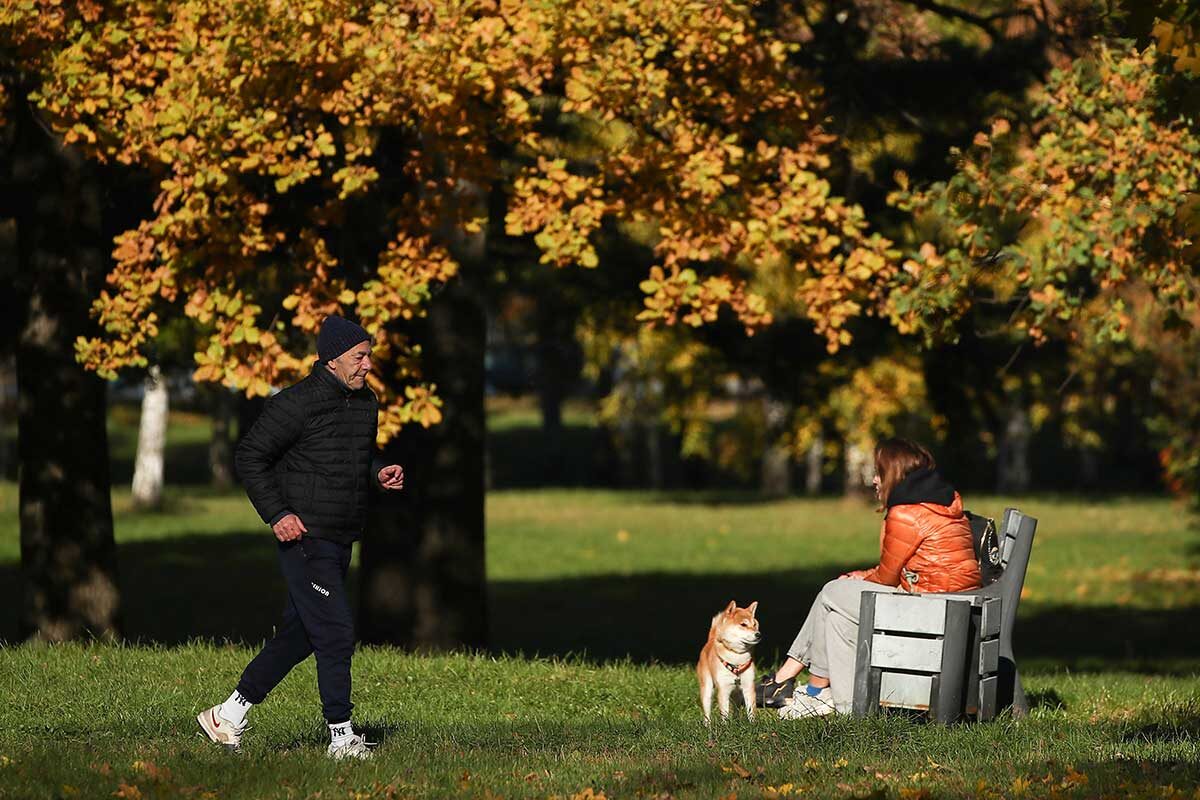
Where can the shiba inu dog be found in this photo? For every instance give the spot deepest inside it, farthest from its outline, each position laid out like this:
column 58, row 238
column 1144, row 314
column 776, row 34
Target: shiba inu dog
column 727, row 660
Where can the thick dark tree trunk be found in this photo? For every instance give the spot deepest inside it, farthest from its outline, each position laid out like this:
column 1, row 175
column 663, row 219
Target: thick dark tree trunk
column 557, row 360
column 68, row 555
column 220, row 448
column 557, row 368
column 423, row 578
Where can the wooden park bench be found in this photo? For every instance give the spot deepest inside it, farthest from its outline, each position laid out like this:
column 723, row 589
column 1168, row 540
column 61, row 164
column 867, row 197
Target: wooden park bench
column 947, row 654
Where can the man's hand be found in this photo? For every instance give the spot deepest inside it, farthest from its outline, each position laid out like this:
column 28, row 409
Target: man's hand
column 289, row 529
column 391, row 477
column 857, row 574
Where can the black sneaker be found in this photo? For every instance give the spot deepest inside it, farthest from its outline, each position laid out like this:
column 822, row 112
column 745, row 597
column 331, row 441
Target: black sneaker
column 769, row 694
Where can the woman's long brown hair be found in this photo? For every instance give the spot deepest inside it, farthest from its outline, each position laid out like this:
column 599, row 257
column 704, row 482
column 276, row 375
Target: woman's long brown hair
column 895, row 458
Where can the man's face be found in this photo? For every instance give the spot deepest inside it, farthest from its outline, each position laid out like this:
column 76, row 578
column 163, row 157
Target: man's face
column 352, row 366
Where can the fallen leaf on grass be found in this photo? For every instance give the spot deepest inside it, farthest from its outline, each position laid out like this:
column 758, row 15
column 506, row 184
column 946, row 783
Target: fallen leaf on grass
column 1073, row 778
column 588, row 794
column 128, row 791
column 152, row 770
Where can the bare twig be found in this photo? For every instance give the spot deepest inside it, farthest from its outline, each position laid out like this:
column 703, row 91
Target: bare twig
column 1012, row 359
column 1070, row 377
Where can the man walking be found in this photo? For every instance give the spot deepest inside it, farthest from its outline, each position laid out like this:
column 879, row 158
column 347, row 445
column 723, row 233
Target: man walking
column 307, row 466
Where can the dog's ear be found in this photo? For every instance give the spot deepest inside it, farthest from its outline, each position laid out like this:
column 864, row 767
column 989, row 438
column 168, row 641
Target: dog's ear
column 729, row 609
column 752, row 608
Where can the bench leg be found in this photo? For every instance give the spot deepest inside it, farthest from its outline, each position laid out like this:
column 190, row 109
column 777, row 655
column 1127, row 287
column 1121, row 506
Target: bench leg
column 1020, row 703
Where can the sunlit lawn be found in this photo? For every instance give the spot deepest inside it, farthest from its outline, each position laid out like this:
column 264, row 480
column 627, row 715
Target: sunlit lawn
column 598, row 601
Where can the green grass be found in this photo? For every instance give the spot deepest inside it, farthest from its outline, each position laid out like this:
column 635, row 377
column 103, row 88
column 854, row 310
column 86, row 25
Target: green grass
column 100, row 720
column 625, row 582
column 599, row 601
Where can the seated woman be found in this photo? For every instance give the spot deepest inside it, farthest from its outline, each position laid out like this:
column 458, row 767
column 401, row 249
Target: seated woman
column 925, row 546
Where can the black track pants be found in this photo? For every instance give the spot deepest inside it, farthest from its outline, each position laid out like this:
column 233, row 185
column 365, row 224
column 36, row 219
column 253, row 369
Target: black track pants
column 316, row 620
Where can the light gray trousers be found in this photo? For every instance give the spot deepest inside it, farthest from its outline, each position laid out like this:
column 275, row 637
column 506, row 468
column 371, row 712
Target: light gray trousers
column 828, row 641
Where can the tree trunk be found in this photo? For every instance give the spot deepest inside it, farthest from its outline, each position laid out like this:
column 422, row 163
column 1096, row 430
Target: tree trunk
column 1012, row 467
column 656, row 467
column 776, row 466
column 860, row 469
column 777, row 471
column 558, row 363
column 1089, row 468
column 622, row 440
column 423, row 578
column 152, row 441
column 68, row 555
column 8, row 408
column 220, row 449
column 556, row 371
column 814, row 465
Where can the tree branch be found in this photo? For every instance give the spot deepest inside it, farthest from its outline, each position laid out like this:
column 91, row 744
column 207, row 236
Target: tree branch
column 983, row 22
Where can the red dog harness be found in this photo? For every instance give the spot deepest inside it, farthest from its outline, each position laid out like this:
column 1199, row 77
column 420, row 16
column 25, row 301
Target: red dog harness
column 735, row 669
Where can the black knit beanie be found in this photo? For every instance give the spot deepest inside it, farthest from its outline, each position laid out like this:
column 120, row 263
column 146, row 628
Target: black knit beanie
column 337, row 336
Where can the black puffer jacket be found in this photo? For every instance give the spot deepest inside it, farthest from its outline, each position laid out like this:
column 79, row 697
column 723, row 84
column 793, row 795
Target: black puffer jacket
column 311, row 453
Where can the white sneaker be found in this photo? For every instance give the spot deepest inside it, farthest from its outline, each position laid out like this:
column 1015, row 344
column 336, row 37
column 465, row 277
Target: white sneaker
column 354, row 747
column 802, row 704
column 221, row 730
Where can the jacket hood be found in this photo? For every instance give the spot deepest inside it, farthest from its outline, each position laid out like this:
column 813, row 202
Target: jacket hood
column 923, row 486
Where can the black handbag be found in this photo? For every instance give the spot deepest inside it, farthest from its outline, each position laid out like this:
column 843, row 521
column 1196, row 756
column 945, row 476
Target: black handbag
column 987, row 547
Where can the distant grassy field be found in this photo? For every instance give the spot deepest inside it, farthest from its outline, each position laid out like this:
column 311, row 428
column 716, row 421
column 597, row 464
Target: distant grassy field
column 599, row 600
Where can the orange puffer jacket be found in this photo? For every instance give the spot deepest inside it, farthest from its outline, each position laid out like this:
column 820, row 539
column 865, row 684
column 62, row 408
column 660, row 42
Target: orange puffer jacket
column 926, row 547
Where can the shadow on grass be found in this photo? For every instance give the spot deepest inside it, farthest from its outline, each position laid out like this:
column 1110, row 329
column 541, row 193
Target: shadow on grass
column 228, row 587
column 224, row 586
column 1048, row 699
column 1175, row 723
